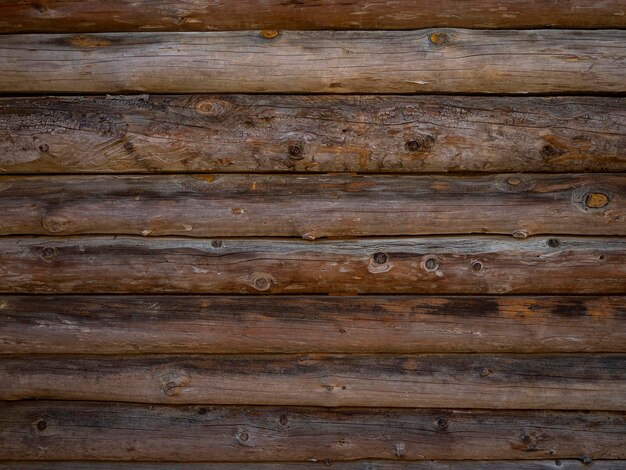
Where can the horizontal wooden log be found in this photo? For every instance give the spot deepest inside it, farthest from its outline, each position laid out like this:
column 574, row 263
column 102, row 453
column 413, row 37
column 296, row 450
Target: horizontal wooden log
column 242, row 133
column 422, row 61
column 478, row 264
column 327, row 464
column 108, row 431
column 195, row 15
column 313, row 206
column 302, row 324
column 536, row 381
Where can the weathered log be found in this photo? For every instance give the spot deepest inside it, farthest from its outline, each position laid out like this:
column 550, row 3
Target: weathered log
column 537, row 381
column 465, row 265
column 422, row 61
column 313, row 206
column 327, row 464
column 107, row 431
column 302, row 324
column 242, row 133
column 195, row 15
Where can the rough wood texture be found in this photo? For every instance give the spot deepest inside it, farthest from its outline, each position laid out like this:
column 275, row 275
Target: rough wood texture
column 99, row 431
column 327, row 464
column 300, row 324
column 313, row 206
column 195, row 15
column 450, row 265
column 234, row 133
column 557, row 382
column 439, row 60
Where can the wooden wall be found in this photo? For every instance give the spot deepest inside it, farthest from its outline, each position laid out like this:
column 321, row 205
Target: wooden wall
column 245, row 234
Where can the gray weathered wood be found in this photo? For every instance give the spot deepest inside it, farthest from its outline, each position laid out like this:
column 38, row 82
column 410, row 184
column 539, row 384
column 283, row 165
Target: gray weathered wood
column 265, row 133
column 300, row 324
column 471, row 381
column 464, row 265
column 436, row 60
column 313, row 206
column 36, row 430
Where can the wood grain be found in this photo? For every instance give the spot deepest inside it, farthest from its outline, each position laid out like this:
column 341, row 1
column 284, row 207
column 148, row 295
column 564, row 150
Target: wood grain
column 195, row 15
column 327, row 464
column 301, row 324
column 310, row 133
column 313, row 206
column 108, row 431
column 473, row 265
column 478, row 381
column 422, row 61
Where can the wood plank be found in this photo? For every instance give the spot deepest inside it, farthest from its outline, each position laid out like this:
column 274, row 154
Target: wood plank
column 196, row 15
column 354, row 465
column 313, row 206
column 107, row 431
column 478, row 381
column 302, row 324
column 270, row 133
column 422, row 61
column 479, row 264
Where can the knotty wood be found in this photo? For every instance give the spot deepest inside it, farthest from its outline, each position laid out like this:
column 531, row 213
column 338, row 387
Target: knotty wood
column 98, row 431
column 312, row 206
column 436, row 60
column 413, row 265
column 565, row 382
column 301, row 324
column 231, row 133
column 354, row 465
column 196, row 15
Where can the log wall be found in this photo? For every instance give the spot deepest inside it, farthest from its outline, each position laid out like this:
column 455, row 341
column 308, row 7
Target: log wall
column 383, row 235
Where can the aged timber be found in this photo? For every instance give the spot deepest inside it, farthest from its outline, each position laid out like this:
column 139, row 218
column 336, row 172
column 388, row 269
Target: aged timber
column 301, row 324
column 463, row 265
column 421, row 61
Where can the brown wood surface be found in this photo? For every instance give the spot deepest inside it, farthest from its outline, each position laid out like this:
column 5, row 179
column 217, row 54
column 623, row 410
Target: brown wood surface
column 271, row 133
column 327, row 464
column 196, row 15
column 301, row 324
column 463, row 265
column 434, row 60
column 536, row 381
column 107, row 431
column 313, row 206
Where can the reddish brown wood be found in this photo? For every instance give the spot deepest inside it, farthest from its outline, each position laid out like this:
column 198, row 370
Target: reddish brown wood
column 302, row 324
column 464, row 265
column 313, row 206
column 558, row 382
column 196, row 15
column 108, row 431
column 421, row 61
column 244, row 133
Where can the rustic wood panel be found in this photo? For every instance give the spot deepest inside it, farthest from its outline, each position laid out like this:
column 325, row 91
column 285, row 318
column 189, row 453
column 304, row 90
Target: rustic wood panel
column 74, row 430
column 436, row 60
column 300, row 324
column 558, row 382
column 233, row 133
column 325, row 464
column 313, row 206
column 463, row 265
column 196, row 15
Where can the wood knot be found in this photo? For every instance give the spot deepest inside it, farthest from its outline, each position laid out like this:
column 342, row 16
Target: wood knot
column 269, row 34
column 55, row 224
column 554, row 243
column 212, row 107
column 44, row 148
column 380, row 257
column 172, row 383
column 283, row 420
column 485, row 372
column 551, row 151
column 48, row 253
column 41, row 425
column 477, row 266
column 420, row 143
column 217, row 243
column 442, row 423
column 520, row 234
column 400, row 449
column 430, row 263
column 596, row 200
column 439, row 38
column 296, row 151
column 242, row 436
column 261, row 281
